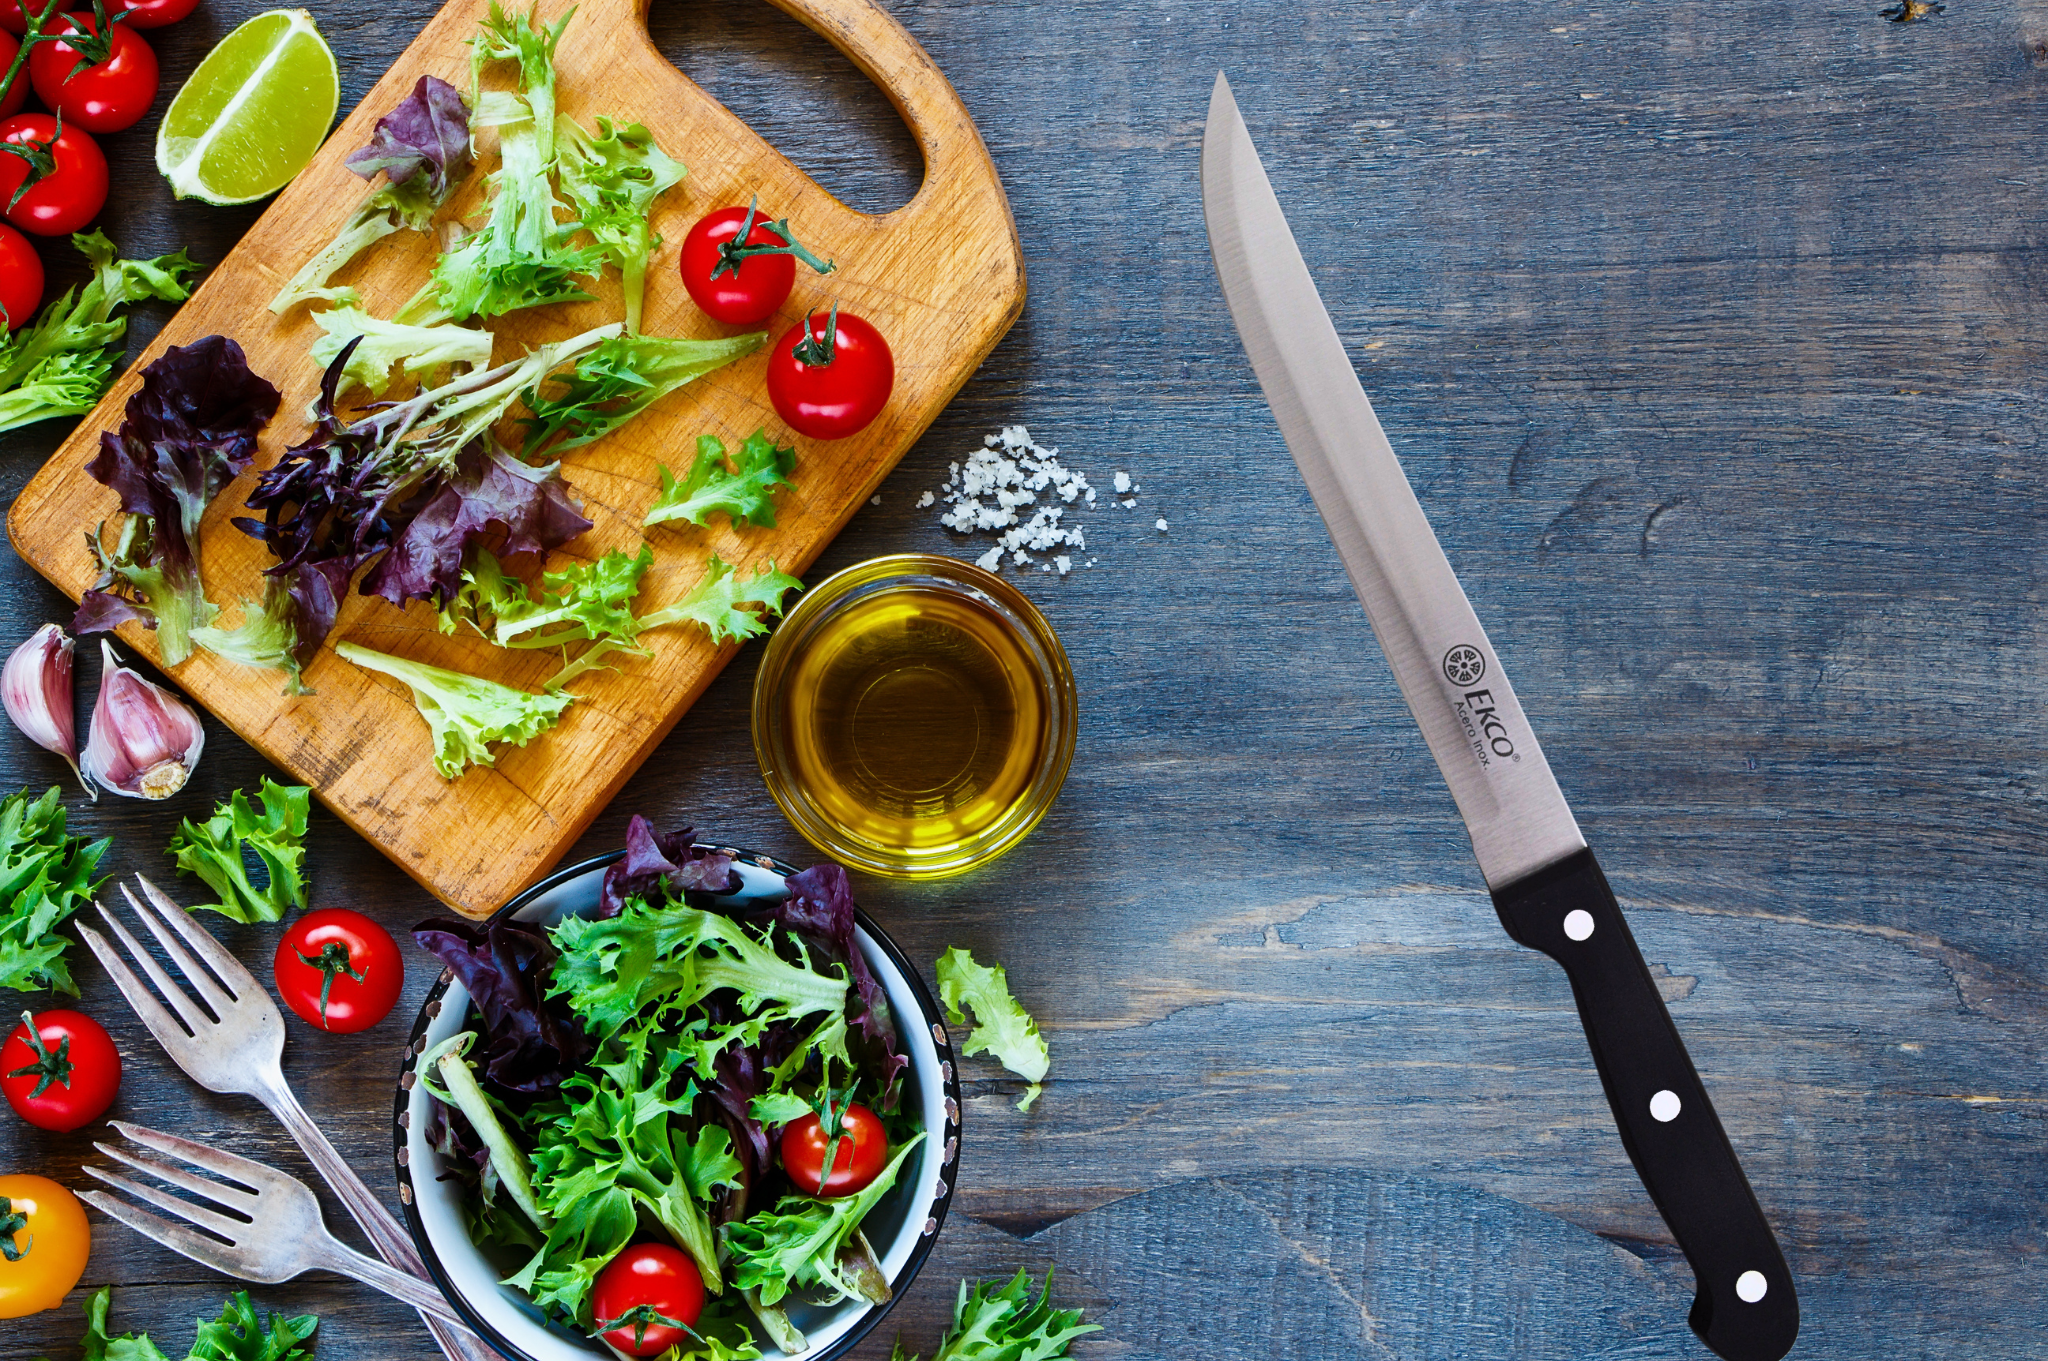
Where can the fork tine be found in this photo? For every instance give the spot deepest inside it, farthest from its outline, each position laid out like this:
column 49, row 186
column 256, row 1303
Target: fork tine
column 176, row 1237
column 216, row 997
column 230, row 1229
column 225, row 966
column 234, row 1197
column 196, row 1020
column 247, row 1171
column 141, row 1000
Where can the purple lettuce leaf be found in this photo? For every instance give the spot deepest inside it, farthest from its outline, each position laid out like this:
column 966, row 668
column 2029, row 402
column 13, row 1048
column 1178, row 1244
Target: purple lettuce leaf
column 529, row 1046
column 102, row 611
column 654, row 860
column 740, row 1075
column 428, row 132
column 819, row 909
column 520, row 508
column 188, row 432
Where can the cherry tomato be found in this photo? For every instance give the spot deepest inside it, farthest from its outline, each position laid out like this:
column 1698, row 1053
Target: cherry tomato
column 863, row 1149
column 21, row 277
column 44, row 1241
column 63, row 1077
column 746, row 290
column 17, row 93
column 15, row 21
column 72, row 184
column 99, row 85
column 147, row 14
column 639, row 1288
column 830, row 375
column 339, row 970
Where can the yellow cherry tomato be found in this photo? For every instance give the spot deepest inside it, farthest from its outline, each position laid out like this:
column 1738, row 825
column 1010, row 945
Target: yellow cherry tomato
column 44, row 1241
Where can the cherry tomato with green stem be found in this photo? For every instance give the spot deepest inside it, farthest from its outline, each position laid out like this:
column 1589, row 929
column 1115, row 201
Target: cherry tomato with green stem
column 339, row 970
column 863, row 1150
column 100, row 77
column 21, row 277
column 149, row 13
column 44, row 1241
column 646, row 1297
column 740, row 267
column 17, row 93
column 59, row 1070
column 829, row 377
column 14, row 19
column 52, row 181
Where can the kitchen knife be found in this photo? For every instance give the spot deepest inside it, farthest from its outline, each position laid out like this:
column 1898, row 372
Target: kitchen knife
column 1546, row 885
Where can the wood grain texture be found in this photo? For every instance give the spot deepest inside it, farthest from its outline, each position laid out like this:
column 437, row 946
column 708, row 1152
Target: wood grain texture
column 941, row 277
column 1724, row 391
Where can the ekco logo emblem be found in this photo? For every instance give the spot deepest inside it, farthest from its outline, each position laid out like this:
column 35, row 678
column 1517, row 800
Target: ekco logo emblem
column 1463, row 665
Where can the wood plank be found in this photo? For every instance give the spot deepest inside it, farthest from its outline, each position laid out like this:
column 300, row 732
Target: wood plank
column 940, row 276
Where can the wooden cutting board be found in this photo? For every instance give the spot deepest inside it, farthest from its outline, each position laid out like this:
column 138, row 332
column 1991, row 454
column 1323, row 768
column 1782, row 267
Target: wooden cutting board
column 942, row 277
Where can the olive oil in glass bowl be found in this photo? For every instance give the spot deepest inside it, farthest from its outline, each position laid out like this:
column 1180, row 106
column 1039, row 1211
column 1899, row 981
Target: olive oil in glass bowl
column 914, row 716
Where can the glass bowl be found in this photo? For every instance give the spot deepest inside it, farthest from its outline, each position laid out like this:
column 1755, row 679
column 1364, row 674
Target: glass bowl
column 914, row 716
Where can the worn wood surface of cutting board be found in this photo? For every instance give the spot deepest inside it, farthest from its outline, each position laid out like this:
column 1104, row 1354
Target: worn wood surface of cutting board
column 942, row 277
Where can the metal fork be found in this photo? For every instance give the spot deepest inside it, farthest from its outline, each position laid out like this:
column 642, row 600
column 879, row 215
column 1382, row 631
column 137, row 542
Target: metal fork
column 280, row 1235
column 237, row 1049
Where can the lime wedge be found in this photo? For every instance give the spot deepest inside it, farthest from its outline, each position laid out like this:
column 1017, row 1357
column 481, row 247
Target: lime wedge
column 254, row 112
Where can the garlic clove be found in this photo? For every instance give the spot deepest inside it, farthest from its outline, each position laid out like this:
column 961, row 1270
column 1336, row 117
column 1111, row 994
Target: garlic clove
column 144, row 741
column 35, row 687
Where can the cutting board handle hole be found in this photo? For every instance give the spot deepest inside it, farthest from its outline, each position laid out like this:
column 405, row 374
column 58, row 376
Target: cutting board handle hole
column 799, row 93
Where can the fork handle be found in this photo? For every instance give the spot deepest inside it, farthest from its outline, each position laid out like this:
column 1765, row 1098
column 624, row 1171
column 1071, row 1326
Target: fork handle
column 389, row 1279
column 391, row 1241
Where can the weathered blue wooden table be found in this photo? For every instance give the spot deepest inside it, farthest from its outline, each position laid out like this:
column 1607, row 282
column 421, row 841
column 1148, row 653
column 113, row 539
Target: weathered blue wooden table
column 1713, row 339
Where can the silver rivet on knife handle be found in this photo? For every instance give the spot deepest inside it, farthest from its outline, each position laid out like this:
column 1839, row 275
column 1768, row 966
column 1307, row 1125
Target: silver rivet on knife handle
column 1447, row 670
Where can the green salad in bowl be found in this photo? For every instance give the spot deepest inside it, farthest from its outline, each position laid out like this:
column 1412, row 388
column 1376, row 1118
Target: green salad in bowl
column 681, row 1102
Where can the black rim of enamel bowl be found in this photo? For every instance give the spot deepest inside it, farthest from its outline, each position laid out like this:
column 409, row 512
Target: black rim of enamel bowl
column 949, row 1158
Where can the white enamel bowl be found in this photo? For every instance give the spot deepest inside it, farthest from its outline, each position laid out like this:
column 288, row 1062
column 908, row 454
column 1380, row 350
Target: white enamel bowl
column 901, row 1228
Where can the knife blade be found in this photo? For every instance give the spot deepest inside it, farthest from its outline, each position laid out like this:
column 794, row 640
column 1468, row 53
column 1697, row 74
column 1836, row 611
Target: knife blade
column 1546, row 885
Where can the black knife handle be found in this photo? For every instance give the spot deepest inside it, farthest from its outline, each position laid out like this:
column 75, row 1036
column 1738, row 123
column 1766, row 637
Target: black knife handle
column 1667, row 1124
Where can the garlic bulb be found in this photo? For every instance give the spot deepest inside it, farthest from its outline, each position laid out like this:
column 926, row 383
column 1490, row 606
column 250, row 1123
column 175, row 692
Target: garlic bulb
column 35, row 687
column 144, row 740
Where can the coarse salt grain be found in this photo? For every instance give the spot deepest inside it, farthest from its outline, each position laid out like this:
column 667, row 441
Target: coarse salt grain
column 998, row 488
column 1123, row 482
column 1160, row 526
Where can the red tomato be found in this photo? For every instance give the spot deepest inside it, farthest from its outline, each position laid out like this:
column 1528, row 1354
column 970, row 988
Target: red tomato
column 63, row 1077
column 13, row 19
column 146, row 14
column 21, row 277
column 71, row 175
column 830, row 376
column 863, row 1149
column 641, row 1287
column 17, row 93
column 101, row 85
column 748, row 289
column 339, row 970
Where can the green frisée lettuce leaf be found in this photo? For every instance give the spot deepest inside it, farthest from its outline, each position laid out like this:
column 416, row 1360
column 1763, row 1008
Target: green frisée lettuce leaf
column 625, row 1129
column 797, row 1245
column 213, row 850
column 1006, row 1324
column 389, row 344
column 611, row 181
column 593, row 603
column 620, row 379
column 45, row 876
column 504, row 37
column 521, row 257
column 674, row 955
column 1001, row 1026
column 237, row 1335
column 63, row 363
column 741, row 493
column 465, row 714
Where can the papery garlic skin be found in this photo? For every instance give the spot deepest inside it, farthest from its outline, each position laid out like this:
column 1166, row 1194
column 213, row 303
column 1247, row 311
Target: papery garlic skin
column 144, row 740
column 35, row 687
